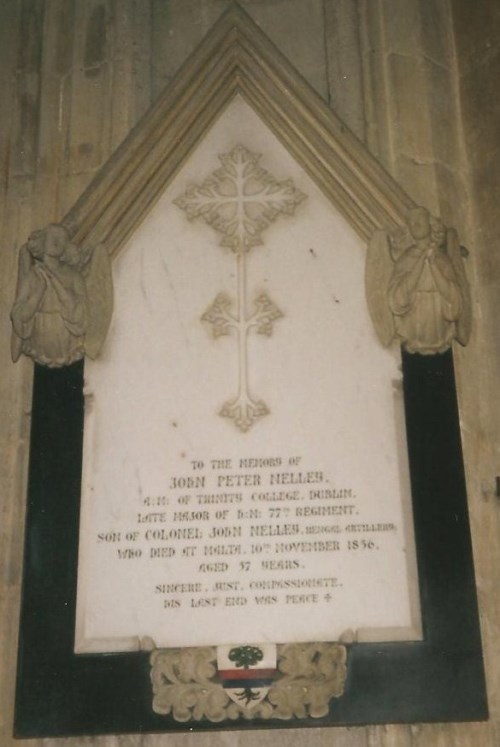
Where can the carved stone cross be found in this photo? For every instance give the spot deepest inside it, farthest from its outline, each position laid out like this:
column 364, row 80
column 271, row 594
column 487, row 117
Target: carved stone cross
column 239, row 200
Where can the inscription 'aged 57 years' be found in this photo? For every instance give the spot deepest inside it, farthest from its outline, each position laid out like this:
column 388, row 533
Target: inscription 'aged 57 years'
column 263, row 536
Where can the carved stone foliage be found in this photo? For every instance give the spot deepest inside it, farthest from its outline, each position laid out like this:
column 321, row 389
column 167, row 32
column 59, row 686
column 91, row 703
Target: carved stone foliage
column 416, row 286
column 64, row 299
column 186, row 684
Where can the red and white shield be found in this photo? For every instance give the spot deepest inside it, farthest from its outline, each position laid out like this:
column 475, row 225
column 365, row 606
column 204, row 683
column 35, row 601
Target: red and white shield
column 247, row 671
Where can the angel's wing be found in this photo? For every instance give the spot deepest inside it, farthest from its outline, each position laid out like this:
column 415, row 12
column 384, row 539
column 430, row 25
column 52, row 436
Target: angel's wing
column 22, row 327
column 464, row 322
column 16, row 347
column 99, row 284
column 378, row 271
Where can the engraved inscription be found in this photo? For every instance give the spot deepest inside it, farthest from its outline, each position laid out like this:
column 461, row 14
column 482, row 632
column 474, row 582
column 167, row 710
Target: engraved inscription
column 294, row 524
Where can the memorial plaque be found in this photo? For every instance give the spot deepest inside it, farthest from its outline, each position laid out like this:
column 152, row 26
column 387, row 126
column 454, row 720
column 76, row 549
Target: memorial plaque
column 242, row 507
column 245, row 470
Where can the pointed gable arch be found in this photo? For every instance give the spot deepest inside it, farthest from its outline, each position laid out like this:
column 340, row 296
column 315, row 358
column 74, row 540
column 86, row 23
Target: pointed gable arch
column 235, row 57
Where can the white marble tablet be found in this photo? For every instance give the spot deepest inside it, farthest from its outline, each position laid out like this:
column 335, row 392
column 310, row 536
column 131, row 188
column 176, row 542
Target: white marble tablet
column 245, row 473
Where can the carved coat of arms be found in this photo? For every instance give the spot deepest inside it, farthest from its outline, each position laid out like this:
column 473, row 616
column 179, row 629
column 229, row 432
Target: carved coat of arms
column 247, row 672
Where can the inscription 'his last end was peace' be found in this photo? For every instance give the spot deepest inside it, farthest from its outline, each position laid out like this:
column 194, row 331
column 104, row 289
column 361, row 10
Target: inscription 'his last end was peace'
column 263, row 518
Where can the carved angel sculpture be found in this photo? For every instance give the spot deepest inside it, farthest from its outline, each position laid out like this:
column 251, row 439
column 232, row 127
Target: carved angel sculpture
column 63, row 301
column 416, row 287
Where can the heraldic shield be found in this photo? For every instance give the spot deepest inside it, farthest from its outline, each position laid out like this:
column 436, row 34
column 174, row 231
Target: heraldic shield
column 247, row 671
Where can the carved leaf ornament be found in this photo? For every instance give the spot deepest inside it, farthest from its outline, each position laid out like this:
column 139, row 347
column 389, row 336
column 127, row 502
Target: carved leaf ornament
column 186, row 684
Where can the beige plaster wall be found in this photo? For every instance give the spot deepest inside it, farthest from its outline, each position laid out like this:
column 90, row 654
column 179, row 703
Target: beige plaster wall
column 416, row 79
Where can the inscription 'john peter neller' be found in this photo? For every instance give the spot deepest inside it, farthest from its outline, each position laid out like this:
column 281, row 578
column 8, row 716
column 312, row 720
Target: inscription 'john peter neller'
column 237, row 480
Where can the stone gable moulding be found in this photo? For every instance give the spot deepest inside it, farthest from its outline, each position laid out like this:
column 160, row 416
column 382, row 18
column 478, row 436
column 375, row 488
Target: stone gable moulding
column 235, row 58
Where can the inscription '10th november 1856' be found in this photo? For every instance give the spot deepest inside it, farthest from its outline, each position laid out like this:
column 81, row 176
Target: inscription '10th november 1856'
column 254, row 529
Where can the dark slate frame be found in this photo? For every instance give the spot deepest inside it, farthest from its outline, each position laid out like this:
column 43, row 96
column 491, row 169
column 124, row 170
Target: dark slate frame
column 439, row 679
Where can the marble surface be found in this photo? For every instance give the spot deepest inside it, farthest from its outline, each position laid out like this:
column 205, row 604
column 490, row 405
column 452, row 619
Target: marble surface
column 295, row 529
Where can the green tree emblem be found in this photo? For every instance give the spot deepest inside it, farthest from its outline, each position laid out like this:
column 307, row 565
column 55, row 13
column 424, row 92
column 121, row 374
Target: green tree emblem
column 246, row 656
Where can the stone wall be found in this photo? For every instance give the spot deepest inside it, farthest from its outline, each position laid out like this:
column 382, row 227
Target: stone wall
column 415, row 79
